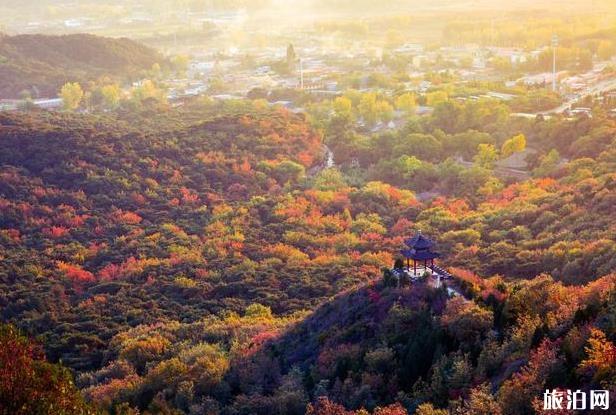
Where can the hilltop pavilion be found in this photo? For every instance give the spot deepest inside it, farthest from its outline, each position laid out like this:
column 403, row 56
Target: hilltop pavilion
column 420, row 251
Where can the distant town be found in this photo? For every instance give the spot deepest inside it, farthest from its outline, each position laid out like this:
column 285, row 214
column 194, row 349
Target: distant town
column 323, row 58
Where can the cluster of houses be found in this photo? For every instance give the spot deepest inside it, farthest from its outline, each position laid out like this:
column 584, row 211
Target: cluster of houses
column 318, row 67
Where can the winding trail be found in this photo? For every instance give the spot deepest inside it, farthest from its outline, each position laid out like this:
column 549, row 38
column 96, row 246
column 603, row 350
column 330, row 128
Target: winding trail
column 328, row 163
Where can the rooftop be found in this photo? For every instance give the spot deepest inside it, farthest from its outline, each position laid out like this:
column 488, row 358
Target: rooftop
column 419, row 242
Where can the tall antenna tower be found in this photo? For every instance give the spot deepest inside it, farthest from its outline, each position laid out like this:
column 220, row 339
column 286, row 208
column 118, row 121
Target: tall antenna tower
column 554, row 46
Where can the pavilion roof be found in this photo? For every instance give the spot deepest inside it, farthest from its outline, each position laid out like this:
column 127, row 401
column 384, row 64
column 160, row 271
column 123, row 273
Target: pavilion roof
column 419, row 242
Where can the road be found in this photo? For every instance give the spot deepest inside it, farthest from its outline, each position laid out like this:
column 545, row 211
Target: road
column 501, row 171
column 598, row 88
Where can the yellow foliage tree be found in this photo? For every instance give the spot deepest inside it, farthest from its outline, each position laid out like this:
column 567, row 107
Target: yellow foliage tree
column 436, row 97
column 406, row 102
column 111, row 96
column 146, row 91
column 343, row 107
column 600, row 355
column 71, row 94
column 368, row 108
column 515, row 144
column 385, row 112
column 486, row 156
column 429, row 409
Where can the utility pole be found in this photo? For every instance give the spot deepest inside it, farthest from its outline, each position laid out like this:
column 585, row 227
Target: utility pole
column 554, row 46
column 301, row 73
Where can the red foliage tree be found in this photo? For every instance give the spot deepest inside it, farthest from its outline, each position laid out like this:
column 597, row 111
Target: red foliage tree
column 31, row 385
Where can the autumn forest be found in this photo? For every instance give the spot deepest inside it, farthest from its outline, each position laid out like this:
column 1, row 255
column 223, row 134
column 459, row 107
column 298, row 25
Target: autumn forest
column 225, row 256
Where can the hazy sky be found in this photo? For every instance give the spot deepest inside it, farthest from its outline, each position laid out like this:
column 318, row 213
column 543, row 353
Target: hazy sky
column 29, row 15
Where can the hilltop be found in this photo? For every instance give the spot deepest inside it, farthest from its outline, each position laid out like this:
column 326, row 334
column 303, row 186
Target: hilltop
column 41, row 64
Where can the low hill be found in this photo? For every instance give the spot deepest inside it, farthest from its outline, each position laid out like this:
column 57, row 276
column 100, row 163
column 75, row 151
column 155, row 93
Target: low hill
column 41, row 64
column 171, row 200
column 375, row 346
column 379, row 345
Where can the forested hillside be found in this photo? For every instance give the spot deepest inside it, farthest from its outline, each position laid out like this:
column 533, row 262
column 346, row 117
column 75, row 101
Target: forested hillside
column 201, row 259
column 41, row 64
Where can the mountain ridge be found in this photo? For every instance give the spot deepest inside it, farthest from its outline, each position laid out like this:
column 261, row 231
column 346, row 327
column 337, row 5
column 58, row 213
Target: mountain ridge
column 41, row 64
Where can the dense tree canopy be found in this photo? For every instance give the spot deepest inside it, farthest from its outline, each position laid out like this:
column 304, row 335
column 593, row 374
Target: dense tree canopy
column 203, row 259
